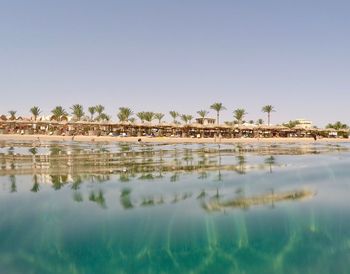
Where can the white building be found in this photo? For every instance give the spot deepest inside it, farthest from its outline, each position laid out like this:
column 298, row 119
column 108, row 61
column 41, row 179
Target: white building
column 206, row 121
column 302, row 123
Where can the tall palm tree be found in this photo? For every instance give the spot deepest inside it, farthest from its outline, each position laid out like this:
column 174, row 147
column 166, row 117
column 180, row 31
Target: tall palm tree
column 12, row 114
column 149, row 116
column 35, row 111
column 141, row 116
column 59, row 113
column 92, row 111
column 202, row 113
column 217, row 107
column 189, row 118
column 239, row 114
column 124, row 114
column 99, row 109
column 174, row 114
column 159, row 116
column 268, row 109
column 186, row 118
column 78, row 111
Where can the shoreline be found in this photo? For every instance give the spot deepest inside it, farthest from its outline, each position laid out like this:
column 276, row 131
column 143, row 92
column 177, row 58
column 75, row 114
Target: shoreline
column 166, row 140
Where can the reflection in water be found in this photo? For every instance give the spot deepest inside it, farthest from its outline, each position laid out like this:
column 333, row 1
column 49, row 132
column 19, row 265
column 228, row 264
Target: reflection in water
column 174, row 208
column 98, row 198
column 216, row 204
column 13, row 184
column 270, row 161
column 125, row 199
column 36, row 186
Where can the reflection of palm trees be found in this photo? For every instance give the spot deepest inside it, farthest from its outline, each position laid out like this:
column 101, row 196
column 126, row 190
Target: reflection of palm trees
column 11, row 150
column 36, row 185
column 56, row 182
column 98, row 198
column 13, row 183
column 203, row 175
column 202, row 195
column 175, row 177
column 241, row 163
column 125, row 199
column 55, row 150
column 148, row 201
column 77, row 182
column 34, row 152
column 270, row 161
column 148, row 176
column 124, row 177
column 219, row 164
column 78, row 197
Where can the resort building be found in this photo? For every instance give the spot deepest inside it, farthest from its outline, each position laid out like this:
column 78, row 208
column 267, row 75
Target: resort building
column 306, row 124
column 206, row 121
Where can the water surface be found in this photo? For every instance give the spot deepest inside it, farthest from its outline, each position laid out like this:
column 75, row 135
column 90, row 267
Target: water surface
column 148, row 208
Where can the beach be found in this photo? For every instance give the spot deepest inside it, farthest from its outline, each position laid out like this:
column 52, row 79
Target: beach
column 167, row 140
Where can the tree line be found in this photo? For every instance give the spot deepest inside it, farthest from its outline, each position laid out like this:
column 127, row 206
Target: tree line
column 126, row 114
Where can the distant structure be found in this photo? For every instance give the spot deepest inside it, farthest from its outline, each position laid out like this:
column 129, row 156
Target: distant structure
column 305, row 124
column 206, row 121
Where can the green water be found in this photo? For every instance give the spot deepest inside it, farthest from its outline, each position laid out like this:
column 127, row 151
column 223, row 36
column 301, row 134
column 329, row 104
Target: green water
column 72, row 208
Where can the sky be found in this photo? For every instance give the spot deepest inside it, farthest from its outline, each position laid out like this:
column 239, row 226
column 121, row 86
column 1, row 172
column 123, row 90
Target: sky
column 184, row 55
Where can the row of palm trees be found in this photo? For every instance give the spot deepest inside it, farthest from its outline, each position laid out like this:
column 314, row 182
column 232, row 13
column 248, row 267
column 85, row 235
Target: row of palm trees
column 125, row 114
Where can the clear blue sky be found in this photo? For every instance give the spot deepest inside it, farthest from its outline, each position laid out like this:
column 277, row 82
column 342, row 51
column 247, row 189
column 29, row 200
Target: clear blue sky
column 182, row 54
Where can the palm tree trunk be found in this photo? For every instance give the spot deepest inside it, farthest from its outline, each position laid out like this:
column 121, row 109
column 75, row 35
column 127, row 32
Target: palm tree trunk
column 268, row 118
column 217, row 117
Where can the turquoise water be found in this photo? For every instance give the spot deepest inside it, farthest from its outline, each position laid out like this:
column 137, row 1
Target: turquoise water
column 72, row 208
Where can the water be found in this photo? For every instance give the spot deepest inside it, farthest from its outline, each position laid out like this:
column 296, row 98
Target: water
column 122, row 208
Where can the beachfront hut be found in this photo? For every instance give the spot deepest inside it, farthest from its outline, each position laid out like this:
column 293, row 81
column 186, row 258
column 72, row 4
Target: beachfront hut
column 329, row 132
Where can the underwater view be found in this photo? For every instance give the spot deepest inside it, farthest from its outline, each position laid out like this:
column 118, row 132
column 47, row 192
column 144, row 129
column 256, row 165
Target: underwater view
column 70, row 207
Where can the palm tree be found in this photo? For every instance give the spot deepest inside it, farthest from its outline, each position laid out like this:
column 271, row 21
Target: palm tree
column 268, row 109
column 202, row 113
column 159, row 116
column 217, row 107
column 189, row 118
column 186, row 118
column 124, row 114
column 141, row 116
column 35, row 112
column 149, row 116
column 291, row 124
column 99, row 109
column 12, row 114
column 59, row 113
column 174, row 114
column 260, row 122
column 104, row 117
column 92, row 111
column 239, row 114
column 337, row 125
column 78, row 111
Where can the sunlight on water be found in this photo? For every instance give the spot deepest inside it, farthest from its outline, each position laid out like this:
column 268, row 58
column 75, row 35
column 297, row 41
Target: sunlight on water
column 138, row 208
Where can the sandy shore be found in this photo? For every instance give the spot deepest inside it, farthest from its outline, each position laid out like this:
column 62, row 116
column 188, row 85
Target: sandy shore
column 167, row 140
